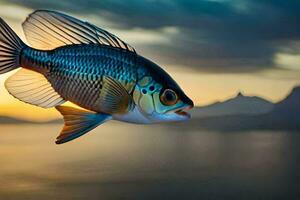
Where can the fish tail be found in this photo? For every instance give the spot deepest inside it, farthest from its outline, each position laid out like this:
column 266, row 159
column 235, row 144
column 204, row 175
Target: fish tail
column 10, row 48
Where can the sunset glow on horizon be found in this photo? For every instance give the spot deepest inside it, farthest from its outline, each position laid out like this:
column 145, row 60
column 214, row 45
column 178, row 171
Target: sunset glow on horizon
column 204, row 86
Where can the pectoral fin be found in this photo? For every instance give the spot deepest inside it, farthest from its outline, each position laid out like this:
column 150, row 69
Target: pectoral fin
column 78, row 122
column 114, row 98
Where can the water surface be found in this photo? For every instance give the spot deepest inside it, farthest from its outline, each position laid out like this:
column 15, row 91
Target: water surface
column 121, row 161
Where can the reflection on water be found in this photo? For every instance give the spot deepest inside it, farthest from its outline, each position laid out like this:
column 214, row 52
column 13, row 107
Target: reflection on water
column 121, row 161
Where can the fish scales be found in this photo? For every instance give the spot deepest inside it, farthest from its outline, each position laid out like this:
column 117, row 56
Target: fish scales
column 73, row 60
column 76, row 71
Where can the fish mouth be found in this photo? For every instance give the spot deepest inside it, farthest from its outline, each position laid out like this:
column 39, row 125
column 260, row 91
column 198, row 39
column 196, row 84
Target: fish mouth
column 183, row 111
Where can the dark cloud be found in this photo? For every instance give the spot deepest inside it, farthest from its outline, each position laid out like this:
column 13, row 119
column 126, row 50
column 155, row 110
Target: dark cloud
column 228, row 35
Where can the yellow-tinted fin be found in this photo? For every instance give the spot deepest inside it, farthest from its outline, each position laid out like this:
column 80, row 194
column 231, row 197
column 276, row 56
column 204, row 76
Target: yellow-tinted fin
column 47, row 30
column 33, row 88
column 78, row 122
column 114, row 98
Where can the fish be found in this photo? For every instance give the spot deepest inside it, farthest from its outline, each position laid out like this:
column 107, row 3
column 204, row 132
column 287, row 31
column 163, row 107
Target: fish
column 70, row 60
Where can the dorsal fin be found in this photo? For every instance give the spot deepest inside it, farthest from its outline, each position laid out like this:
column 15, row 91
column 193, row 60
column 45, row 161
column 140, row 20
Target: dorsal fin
column 48, row 30
column 33, row 88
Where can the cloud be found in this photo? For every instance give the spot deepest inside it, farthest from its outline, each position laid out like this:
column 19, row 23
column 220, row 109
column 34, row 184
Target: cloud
column 212, row 35
column 288, row 61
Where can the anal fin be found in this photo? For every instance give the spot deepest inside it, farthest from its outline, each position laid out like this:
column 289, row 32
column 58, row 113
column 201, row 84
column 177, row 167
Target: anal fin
column 78, row 122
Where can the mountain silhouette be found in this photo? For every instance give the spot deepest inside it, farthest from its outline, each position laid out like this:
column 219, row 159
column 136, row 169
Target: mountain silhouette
column 12, row 120
column 240, row 104
column 284, row 115
column 290, row 105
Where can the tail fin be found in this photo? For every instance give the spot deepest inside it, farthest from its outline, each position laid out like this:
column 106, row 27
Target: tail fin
column 10, row 48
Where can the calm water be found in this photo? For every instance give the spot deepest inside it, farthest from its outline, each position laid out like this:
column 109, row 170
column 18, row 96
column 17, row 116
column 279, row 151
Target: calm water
column 120, row 161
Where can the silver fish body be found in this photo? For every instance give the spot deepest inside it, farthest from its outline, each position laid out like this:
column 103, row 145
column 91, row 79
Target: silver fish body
column 77, row 72
column 72, row 60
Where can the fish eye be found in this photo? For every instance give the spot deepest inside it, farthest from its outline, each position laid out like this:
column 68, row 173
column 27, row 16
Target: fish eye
column 168, row 97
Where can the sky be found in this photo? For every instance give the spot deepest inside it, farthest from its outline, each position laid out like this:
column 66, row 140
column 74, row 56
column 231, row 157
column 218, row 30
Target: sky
column 212, row 48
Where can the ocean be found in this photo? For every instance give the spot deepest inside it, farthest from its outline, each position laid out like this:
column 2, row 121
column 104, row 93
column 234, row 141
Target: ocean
column 124, row 161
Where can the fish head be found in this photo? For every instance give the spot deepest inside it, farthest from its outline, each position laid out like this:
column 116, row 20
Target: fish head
column 158, row 96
